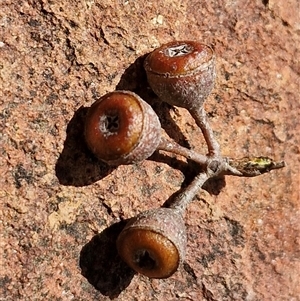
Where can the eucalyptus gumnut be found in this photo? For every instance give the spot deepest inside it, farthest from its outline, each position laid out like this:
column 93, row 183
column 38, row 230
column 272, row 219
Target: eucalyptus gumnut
column 121, row 128
column 182, row 73
column 154, row 242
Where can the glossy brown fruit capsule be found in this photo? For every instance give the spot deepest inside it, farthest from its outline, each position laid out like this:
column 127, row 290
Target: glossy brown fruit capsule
column 182, row 73
column 154, row 242
column 121, row 128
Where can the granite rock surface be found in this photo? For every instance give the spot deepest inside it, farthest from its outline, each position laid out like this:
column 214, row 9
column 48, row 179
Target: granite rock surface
column 61, row 209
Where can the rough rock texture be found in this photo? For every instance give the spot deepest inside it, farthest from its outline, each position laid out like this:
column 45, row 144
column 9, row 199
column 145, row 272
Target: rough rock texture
column 61, row 210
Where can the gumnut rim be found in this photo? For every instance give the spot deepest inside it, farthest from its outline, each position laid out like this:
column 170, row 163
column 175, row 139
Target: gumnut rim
column 149, row 135
column 168, row 226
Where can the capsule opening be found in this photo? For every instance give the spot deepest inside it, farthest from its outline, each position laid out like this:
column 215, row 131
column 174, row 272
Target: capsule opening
column 144, row 260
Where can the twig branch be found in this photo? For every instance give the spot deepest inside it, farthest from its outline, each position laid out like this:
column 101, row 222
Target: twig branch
column 200, row 117
column 182, row 200
column 173, row 147
column 245, row 167
column 214, row 164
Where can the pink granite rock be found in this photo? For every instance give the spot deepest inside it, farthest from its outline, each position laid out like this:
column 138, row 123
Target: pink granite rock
column 61, row 209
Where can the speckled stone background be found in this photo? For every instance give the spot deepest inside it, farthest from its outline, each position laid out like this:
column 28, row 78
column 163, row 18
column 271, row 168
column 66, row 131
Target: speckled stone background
column 61, row 210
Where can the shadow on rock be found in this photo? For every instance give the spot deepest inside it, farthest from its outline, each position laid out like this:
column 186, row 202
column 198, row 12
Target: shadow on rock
column 101, row 264
column 76, row 165
column 215, row 185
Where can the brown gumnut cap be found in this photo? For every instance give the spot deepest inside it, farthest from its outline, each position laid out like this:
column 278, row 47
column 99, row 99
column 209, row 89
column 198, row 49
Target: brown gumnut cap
column 121, row 128
column 154, row 242
column 182, row 73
